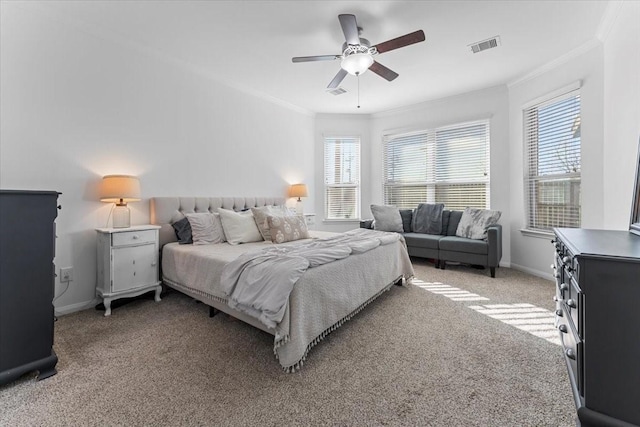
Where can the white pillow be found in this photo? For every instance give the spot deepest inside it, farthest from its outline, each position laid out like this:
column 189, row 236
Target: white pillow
column 239, row 227
column 205, row 228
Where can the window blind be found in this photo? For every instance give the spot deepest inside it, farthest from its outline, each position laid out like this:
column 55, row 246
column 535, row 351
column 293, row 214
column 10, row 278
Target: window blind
column 342, row 177
column 447, row 165
column 552, row 163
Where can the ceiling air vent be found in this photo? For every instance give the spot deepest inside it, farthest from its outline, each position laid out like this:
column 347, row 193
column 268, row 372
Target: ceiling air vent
column 337, row 91
column 485, row 44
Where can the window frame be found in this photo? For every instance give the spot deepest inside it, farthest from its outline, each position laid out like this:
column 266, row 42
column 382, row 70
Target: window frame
column 431, row 146
column 358, row 185
column 550, row 99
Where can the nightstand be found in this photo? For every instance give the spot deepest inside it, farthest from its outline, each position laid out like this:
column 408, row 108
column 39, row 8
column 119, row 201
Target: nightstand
column 127, row 263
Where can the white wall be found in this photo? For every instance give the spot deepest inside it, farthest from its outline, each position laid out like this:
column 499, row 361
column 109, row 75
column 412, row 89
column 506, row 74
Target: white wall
column 342, row 125
column 534, row 254
column 484, row 104
column 621, row 114
column 76, row 106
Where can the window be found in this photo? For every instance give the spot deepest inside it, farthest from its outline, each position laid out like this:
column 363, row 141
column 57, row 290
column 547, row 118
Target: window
column 552, row 163
column 447, row 165
column 342, row 178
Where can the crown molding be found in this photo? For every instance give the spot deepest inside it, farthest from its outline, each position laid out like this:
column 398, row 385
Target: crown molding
column 580, row 50
column 608, row 20
column 101, row 32
column 435, row 101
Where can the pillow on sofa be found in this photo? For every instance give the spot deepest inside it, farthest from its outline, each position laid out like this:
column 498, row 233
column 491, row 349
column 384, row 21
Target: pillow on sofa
column 406, row 215
column 386, row 218
column 205, row 229
column 427, row 218
column 183, row 231
column 239, row 227
column 474, row 222
column 287, row 228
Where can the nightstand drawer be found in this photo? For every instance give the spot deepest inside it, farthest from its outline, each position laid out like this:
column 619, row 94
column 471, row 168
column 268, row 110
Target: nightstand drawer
column 128, row 238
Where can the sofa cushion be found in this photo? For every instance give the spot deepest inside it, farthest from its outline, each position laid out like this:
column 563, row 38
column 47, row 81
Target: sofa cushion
column 446, row 214
column 421, row 240
column 407, row 215
column 454, row 220
column 462, row 244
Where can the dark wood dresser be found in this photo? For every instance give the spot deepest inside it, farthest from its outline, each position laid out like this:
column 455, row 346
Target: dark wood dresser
column 598, row 317
column 27, row 248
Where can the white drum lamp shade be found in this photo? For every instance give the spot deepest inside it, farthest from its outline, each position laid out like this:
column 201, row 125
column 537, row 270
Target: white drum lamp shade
column 120, row 189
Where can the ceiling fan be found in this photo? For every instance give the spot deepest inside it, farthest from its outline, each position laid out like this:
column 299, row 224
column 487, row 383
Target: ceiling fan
column 357, row 53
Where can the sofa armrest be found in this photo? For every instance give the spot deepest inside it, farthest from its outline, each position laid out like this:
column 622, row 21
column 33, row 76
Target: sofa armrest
column 494, row 239
column 366, row 223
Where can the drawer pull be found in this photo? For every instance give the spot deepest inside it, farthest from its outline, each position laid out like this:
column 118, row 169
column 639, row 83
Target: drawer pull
column 571, row 303
column 559, row 312
column 564, row 287
column 553, row 266
column 555, row 298
column 570, row 354
column 563, row 329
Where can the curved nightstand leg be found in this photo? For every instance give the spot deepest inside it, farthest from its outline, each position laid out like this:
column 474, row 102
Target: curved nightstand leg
column 158, row 290
column 107, row 306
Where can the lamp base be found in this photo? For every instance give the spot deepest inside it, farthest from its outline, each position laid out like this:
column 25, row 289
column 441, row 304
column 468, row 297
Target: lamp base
column 299, row 209
column 121, row 217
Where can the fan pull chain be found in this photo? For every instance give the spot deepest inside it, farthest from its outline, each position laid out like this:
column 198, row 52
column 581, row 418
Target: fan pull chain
column 358, row 77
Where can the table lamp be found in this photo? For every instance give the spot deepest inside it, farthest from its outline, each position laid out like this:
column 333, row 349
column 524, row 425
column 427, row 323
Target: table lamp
column 298, row 190
column 120, row 189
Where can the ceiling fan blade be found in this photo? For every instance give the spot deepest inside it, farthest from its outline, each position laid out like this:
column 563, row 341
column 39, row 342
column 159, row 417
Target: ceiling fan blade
column 337, row 79
column 349, row 28
column 402, row 41
column 383, row 71
column 315, row 58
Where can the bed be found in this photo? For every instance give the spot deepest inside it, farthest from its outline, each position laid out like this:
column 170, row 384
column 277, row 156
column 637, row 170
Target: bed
column 321, row 300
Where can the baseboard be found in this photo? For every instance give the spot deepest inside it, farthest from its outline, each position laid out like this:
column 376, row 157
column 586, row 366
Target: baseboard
column 533, row 272
column 72, row 308
column 505, row 264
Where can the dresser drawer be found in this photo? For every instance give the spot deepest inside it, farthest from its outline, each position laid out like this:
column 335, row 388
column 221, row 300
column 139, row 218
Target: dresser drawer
column 128, row 238
column 572, row 349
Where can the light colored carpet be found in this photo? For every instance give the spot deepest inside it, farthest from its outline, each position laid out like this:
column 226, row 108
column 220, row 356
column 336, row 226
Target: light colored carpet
column 411, row 358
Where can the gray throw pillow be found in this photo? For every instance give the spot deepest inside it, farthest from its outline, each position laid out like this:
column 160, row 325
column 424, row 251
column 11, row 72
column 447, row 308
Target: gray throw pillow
column 427, row 218
column 183, row 231
column 387, row 218
column 474, row 223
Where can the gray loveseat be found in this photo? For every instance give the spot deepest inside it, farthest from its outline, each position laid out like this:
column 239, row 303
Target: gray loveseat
column 449, row 247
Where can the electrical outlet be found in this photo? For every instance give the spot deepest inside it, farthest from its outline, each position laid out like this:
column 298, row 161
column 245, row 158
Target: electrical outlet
column 66, row 274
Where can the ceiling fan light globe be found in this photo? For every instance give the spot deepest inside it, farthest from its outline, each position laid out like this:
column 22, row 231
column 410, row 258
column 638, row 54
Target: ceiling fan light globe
column 356, row 63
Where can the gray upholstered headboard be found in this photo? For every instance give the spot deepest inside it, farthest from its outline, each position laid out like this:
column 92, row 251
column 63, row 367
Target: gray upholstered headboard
column 164, row 211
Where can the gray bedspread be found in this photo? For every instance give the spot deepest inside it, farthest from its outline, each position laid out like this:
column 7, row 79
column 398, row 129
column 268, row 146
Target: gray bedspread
column 259, row 282
column 322, row 299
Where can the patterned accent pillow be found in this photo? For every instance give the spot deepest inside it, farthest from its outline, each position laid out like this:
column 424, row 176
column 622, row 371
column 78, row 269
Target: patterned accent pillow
column 474, row 223
column 287, row 228
column 205, row 228
column 260, row 215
